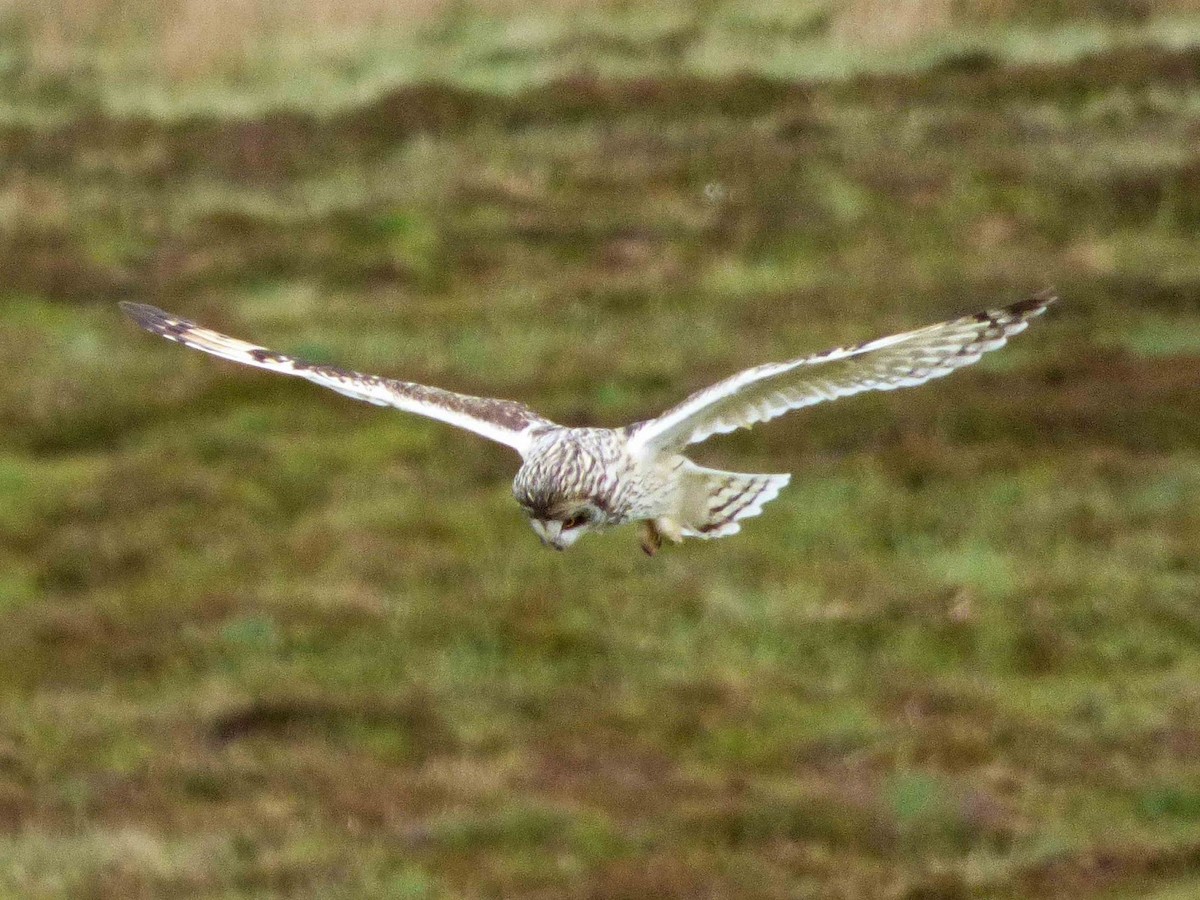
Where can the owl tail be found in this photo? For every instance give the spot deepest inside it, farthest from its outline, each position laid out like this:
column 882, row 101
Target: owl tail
column 715, row 501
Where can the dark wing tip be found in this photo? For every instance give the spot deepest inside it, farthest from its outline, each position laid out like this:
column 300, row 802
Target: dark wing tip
column 143, row 314
column 1032, row 306
column 154, row 319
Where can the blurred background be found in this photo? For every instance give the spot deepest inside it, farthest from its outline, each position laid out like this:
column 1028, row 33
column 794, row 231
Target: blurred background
column 259, row 640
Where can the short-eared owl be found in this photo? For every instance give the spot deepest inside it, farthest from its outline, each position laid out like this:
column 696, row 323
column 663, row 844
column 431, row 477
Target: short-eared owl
column 574, row 480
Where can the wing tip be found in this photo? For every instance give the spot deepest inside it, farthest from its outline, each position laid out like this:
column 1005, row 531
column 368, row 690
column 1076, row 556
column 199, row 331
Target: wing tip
column 1033, row 305
column 149, row 317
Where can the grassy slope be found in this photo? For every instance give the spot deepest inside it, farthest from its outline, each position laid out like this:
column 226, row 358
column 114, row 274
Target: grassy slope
column 255, row 638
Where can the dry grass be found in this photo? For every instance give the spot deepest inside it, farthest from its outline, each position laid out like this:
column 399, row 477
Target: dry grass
column 188, row 38
column 183, row 39
column 891, row 23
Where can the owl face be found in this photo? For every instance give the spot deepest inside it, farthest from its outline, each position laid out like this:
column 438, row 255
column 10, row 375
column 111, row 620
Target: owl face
column 562, row 524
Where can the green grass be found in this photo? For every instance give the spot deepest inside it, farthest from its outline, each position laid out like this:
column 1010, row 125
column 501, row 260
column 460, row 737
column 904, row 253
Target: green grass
column 258, row 640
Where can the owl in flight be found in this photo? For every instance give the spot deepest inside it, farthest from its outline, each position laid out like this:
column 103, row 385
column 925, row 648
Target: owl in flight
column 575, row 480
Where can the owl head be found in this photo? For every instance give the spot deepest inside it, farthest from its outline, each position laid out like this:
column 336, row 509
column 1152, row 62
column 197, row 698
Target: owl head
column 561, row 524
column 563, row 487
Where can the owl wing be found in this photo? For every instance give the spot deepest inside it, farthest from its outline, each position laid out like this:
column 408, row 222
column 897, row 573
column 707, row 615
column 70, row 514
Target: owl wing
column 505, row 421
column 770, row 390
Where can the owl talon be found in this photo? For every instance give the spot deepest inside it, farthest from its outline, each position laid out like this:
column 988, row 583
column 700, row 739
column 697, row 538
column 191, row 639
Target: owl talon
column 651, row 538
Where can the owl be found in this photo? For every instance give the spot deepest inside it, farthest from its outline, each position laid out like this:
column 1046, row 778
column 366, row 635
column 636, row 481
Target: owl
column 576, row 480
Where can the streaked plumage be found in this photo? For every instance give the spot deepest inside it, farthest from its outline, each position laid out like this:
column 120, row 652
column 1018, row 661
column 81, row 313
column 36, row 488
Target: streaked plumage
column 573, row 480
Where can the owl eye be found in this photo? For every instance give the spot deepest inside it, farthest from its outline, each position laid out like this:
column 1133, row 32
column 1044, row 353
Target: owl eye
column 575, row 521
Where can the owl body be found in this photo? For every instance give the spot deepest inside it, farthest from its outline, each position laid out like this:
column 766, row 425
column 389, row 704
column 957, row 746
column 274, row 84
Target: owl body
column 573, row 480
column 590, row 478
column 579, row 479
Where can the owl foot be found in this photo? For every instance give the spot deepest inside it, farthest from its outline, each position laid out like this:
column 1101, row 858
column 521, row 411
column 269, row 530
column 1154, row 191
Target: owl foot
column 651, row 539
column 654, row 530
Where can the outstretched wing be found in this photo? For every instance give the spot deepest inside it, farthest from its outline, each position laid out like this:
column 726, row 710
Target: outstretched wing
column 770, row 390
column 505, row 421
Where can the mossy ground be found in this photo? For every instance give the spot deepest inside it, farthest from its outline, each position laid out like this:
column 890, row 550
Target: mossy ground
column 258, row 640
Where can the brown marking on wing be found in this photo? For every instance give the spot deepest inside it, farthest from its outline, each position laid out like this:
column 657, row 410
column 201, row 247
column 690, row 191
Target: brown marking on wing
column 505, row 415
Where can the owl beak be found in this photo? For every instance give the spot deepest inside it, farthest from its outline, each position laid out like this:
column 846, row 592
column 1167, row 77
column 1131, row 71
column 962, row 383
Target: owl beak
column 550, row 532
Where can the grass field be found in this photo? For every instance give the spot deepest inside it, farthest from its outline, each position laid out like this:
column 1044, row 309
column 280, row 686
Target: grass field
column 258, row 640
